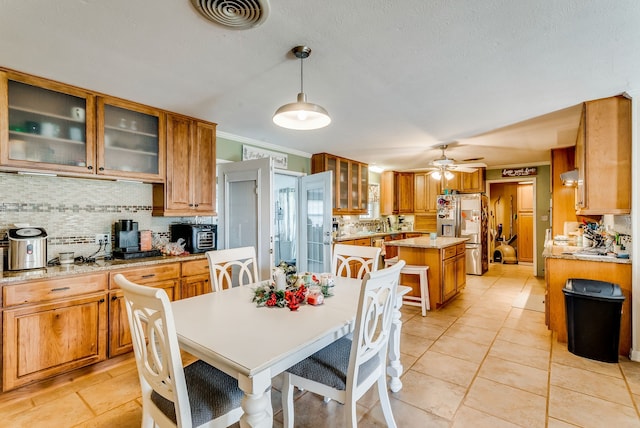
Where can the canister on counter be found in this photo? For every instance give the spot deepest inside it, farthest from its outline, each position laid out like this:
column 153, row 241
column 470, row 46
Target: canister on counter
column 145, row 240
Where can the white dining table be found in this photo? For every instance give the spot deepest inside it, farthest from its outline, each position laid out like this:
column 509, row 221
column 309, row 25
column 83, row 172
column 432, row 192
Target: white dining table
column 254, row 344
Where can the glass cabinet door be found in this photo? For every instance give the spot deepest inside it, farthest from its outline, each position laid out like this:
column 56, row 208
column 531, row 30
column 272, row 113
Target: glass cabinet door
column 131, row 140
column 49, row 125
column 344, row 184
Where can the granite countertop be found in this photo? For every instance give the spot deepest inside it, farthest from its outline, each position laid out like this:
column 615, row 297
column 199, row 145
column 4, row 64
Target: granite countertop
column 570, row 252
column 374, row 235
column 426, row 242
column 8, row 277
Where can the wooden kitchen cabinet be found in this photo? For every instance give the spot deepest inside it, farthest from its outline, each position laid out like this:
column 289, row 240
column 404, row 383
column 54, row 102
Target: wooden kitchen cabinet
column 558, row 270
column 190, row 184
column 130, row 140
column 46, row 126
column 396, row 193
column 350, row 182
column 195, row 278
column 603, row 157
column 453, row 271
column 52, row 127
column 166, row 276
column 447, row 269
column 473, row 182
column 426, row 191
column 52, row 326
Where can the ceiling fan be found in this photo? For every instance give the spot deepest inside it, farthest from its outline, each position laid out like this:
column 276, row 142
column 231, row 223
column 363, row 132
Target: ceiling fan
column 444, row 164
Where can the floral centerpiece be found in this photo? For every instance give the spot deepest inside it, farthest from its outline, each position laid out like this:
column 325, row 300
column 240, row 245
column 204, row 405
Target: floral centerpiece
column 266, row 294
column 270, row 295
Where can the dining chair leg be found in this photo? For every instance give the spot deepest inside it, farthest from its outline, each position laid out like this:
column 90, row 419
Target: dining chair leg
column 287, row 401
column 385, row 403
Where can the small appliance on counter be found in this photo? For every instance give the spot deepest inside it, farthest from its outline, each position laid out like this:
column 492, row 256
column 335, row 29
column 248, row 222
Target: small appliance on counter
column 127, row 242
column 27, row 248
column 198, row 238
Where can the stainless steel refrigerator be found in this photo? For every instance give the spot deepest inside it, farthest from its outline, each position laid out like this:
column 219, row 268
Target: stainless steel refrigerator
column 466, row 216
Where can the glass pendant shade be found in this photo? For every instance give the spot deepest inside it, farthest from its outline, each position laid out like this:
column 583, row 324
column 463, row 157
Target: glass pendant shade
column 301, row 115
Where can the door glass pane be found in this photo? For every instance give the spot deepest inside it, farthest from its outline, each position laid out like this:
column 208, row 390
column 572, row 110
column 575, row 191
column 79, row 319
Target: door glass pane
column 243, row 206
column 315, row 227
column 130, row 140
column 242, row 226
column 286, row 219
column 46, row 126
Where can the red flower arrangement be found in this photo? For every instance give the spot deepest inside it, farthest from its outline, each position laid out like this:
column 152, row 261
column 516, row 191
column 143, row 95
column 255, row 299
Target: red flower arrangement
column 267, row 295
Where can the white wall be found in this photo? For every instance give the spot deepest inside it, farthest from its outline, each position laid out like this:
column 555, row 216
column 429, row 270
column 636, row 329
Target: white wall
column 635, row 227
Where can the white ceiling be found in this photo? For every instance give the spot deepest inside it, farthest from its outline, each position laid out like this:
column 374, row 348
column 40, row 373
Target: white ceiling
column 502, row 79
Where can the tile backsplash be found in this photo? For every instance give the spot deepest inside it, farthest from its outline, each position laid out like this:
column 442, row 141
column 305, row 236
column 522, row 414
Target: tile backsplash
column 74, row 210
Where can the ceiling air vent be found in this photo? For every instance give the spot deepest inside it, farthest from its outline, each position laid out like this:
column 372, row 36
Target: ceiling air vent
column 235, row 14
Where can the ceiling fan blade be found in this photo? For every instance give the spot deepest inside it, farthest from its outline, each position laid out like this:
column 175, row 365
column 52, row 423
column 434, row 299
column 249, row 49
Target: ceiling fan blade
column 461, row 168
column 473, row 164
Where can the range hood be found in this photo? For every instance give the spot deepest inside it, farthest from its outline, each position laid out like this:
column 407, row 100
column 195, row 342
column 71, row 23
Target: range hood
column 570, row 178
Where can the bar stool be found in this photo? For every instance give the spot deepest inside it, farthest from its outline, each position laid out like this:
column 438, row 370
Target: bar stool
column 422, row 271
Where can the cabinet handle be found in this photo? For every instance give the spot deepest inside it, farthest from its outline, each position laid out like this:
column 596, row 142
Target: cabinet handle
column 101, row 169
column 151, row 275
column 114, row 298
column 101, row 301
column 89, row 167
column 190, row 205
column 197, row 205
column 53, row 290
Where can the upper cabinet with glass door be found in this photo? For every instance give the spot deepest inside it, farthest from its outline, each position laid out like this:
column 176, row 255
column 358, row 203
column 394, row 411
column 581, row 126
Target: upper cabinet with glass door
column 131, row 140
column 45, row 125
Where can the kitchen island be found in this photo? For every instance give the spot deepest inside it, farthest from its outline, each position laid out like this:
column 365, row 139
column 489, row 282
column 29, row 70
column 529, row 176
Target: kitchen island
column 564, row 262
column 447, row 265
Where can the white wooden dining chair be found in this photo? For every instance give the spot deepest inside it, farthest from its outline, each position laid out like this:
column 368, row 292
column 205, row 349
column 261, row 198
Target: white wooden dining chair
column 345, row 370
column 198, row 395
column 354, row 261
column 232, row 266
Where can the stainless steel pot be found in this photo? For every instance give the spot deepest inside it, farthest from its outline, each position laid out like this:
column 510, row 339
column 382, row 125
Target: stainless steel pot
column 27, row 248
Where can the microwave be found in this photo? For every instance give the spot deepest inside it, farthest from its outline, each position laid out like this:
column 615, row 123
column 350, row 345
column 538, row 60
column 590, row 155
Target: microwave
column 199, row 238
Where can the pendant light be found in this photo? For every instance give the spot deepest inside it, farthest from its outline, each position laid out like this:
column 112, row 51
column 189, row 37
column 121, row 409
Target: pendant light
column 301, row 115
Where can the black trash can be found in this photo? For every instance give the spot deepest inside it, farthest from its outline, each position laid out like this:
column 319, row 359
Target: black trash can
column 593, row 311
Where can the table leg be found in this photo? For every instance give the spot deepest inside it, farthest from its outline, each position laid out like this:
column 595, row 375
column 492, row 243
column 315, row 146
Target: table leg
column 256, row 402
column 395, row 367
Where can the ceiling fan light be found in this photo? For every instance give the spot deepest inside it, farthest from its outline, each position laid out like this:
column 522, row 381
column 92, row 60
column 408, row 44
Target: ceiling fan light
column 448, row 175
column 436, row 175
column 301, row 115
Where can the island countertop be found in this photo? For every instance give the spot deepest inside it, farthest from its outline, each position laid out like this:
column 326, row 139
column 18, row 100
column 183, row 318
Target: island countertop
column 427, row 242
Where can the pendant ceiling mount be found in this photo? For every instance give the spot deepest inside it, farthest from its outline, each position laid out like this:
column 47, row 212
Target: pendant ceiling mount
column 301, row 115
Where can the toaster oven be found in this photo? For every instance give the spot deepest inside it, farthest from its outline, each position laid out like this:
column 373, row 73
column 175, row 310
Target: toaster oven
column 198, row 238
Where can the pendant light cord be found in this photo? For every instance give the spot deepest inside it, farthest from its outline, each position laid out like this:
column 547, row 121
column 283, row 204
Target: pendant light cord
column 301, row 75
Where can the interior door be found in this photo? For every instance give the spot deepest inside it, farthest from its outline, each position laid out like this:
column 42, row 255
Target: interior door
column 245, row 209
column 315, row 221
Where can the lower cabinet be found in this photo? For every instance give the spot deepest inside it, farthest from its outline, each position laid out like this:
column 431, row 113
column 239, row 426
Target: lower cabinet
column 195, row 278
column 454, row 268
column 166, row 276
column 52, row 326
column 447, row 271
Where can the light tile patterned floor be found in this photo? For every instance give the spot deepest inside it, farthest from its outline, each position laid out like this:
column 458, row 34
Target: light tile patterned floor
column 484, row 360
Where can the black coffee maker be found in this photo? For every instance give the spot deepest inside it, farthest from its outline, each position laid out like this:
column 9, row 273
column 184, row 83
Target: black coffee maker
column 127, row 238
column 127, row 241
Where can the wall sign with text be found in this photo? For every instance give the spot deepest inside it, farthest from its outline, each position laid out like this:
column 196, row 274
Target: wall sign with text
column 520, row 172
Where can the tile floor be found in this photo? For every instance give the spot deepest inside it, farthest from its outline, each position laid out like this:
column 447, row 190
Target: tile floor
column 485, row 360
